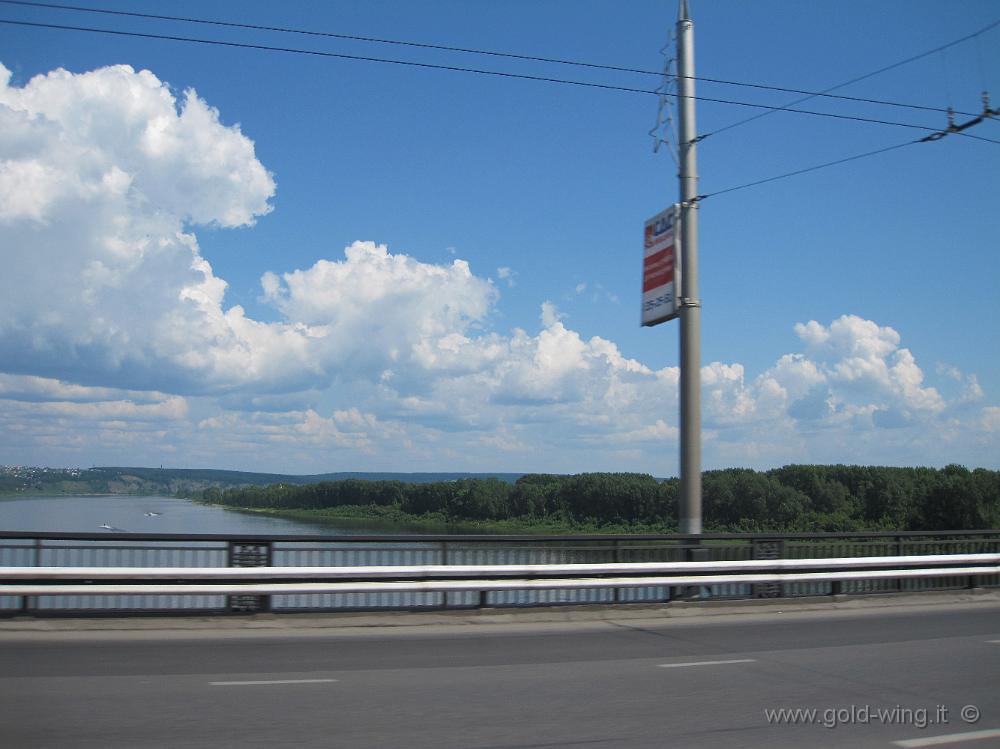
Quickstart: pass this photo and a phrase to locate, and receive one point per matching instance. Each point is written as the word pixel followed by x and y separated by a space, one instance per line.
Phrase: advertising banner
pixel 661 288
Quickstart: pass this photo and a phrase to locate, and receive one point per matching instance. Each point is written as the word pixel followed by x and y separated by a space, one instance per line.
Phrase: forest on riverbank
pixel 28 481
pixel 793 498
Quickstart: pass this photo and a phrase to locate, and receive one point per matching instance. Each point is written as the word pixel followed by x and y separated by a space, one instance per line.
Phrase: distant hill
pixel 22 480
pixel 233 478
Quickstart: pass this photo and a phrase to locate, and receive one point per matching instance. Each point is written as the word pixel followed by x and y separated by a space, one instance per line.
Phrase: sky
pixel 236 258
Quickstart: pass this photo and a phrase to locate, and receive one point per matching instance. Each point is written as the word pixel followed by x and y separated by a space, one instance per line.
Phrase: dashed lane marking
pixel 268 682
pixel 708 663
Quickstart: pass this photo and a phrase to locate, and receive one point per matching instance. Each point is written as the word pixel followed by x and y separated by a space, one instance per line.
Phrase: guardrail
pixel 126 573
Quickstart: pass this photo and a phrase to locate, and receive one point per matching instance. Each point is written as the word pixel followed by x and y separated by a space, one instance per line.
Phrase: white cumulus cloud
pixel 112 324
pixel 102 174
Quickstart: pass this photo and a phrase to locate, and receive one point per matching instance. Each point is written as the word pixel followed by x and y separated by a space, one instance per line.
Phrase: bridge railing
pixel 183 554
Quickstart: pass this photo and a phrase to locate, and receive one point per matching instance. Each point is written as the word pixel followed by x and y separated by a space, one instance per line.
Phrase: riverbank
pixel 393 519
pixel 155 514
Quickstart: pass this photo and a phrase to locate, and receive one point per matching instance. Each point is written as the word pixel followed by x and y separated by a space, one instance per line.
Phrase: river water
pixel 127 514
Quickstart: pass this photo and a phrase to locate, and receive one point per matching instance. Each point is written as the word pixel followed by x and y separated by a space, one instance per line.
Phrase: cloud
pixel 856 360
pixel 114 131
pixel 112 322
pixel 171 408
pixel 659 431
pixel 119 172
pixel 348 430
pixel 74 425
pixel 106 172
pixel 381 311
pixel 41 390
pixel 598 292
pixel 550 314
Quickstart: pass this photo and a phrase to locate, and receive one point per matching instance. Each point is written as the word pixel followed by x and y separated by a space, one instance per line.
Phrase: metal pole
pixel 690 316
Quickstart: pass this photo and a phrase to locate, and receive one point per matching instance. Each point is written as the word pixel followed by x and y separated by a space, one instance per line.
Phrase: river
pixel 128 514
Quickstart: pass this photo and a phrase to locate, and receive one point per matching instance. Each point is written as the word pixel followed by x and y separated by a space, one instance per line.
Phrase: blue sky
pixel 177 290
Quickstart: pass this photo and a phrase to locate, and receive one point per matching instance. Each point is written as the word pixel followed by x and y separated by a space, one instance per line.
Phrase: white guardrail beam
pixel 438 586
pixel 441 578
pixel 420 572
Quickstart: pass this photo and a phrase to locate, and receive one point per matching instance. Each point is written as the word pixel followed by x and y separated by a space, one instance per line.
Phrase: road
pixel 651 682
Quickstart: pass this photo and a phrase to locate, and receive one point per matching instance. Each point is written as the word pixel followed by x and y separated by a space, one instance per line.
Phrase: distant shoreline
pixel 375 517
pixel 58 495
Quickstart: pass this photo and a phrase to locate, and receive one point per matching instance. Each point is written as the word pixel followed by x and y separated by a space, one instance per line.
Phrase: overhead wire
pixel 952 129
pixel 806 170
pixel 491 53
pixel 817 94
pixel 328 34
pixel 859 78
pixel 455 68
pixel 523 76
pixel 321 53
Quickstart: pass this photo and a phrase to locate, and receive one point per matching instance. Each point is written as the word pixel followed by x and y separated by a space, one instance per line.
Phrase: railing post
pixel 444 560
pixel 900 542
pixel 249 554
pixel 973 582
pixel 28 605
pixel 694 553
pixel 767 548
pixel 616 593
pixel 700 553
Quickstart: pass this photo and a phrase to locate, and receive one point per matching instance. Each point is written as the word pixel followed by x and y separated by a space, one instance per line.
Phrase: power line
pixel 491 53
pixel 859 78
pixel 952 129
pixel 770 109
pixel 330 34
pixel 816 94
pixel 338 55
pixel 477 71
pixel 814 168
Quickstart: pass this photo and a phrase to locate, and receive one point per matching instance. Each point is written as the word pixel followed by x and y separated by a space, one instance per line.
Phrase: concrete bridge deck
pixel 878 671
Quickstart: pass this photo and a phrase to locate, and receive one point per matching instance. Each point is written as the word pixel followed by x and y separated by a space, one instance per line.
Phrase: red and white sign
pixel 661 267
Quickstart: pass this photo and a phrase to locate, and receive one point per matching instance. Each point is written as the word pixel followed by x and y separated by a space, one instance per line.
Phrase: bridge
pixel 868 640
pixel 118 572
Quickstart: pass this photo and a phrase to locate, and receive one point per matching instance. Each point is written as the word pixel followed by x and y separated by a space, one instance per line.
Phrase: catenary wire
pixel 467 50
pixel 716 193
pixel 455 68
pixel 819 94
pixel 329 34
pixel 807 169
pixel 337 55
pixel 859 78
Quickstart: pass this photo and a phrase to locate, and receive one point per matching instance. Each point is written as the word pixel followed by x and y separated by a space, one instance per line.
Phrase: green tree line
pixel 792 498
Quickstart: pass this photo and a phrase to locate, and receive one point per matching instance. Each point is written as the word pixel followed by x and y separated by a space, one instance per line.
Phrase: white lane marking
pixel 708 663
pixel 993 642
pixel 269 681
pixel 952 738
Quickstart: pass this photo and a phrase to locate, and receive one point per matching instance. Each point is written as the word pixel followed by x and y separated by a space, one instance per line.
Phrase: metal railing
pixel 342 572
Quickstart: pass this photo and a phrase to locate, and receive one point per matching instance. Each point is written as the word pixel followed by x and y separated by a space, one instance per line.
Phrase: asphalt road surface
pixel 874 677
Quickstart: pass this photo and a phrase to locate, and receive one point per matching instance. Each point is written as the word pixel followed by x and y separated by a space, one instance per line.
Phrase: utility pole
pixel 690 313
